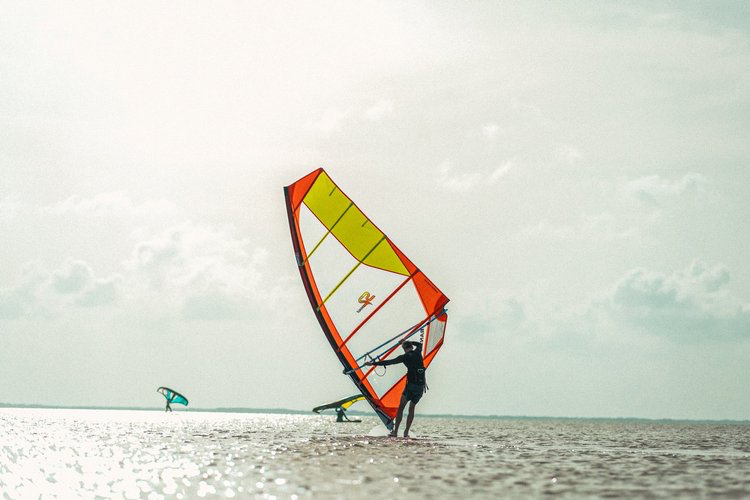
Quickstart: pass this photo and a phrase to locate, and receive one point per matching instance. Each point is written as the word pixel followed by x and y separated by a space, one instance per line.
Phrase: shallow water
pixel 143 454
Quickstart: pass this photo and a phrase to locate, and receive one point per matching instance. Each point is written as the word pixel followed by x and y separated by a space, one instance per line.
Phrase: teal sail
pixel 172 396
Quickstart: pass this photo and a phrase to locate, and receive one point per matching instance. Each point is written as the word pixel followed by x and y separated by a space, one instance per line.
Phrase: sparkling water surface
pixel 144 454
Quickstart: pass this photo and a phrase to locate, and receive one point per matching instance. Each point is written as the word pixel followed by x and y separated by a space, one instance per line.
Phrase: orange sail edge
pixel 386 415
pixel 296 191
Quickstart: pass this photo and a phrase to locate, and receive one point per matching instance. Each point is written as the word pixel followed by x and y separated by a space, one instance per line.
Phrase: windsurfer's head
pixel 408 346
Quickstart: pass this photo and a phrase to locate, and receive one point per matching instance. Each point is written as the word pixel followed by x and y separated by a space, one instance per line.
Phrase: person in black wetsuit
pixel 415 382
pixel 341 415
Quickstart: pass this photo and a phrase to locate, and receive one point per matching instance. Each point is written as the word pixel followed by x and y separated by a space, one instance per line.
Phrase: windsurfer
pixel 341 415
pixel 169 407
pixel 416 384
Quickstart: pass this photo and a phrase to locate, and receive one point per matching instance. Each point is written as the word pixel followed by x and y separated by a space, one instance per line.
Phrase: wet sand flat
pixel 143 454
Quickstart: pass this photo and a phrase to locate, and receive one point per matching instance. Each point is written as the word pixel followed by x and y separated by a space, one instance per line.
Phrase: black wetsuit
pixel 415 377
pixel 340 415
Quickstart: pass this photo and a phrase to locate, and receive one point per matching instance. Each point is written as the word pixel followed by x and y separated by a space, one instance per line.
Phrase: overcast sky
pixel 575 176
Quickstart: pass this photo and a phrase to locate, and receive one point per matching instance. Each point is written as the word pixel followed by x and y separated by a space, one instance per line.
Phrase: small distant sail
pixel 367 295
pixel 172 396
pixel 343 403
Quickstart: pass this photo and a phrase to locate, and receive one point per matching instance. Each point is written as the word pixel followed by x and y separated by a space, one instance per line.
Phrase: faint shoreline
pixel 287 411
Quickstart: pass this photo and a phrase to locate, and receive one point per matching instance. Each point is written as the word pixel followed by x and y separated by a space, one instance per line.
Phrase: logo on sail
pixel 366 300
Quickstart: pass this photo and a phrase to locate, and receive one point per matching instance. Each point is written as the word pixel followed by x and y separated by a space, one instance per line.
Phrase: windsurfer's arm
pixel 399 359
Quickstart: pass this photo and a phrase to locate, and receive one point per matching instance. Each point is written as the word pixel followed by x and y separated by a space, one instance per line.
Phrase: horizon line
pixel 361 413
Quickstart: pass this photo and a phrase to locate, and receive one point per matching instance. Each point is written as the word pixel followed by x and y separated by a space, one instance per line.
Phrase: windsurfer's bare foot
pixel 406 434
pixel 393 434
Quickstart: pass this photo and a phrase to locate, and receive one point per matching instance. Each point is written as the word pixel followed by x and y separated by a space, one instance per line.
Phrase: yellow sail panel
pixel 325 200
pixel 383 257
pixel 347 404
pixel 351 227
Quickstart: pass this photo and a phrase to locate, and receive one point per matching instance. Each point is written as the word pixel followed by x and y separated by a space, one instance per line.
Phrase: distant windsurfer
pixel 341 415
pixel 416 384
pixel 172 396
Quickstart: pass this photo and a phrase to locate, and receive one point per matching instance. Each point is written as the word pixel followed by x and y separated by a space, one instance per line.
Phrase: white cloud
pixel 11 305
pixel 664 19
pixel 456 181
pixel 188 271
pixel 76 279
pixel 115 203
pixel 23 297
pixel 545 228
pixel 694 303
pixel 606 226
pixel 10 206
pixel 491 131
pixel 531 113
pixel 379 110
pixel 453 179
pixel 568 154
pixel 101 292
pixel 489 314
pixel 39 293
pixel 203 273
pixel 691 305
pixel 72 277
pixel 603 226
pixel 334 120
pixel 653 189
pixel 501 171
pixel 331 121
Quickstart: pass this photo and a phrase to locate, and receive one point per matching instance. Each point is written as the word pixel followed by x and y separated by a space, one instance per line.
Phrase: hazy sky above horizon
pixel 573 175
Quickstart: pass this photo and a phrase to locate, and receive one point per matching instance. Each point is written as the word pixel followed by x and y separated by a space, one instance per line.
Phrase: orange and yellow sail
pixel 366 294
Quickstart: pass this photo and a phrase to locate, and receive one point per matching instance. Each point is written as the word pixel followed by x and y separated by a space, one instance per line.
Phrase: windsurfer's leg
pixel 410 418
pixel 399 414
